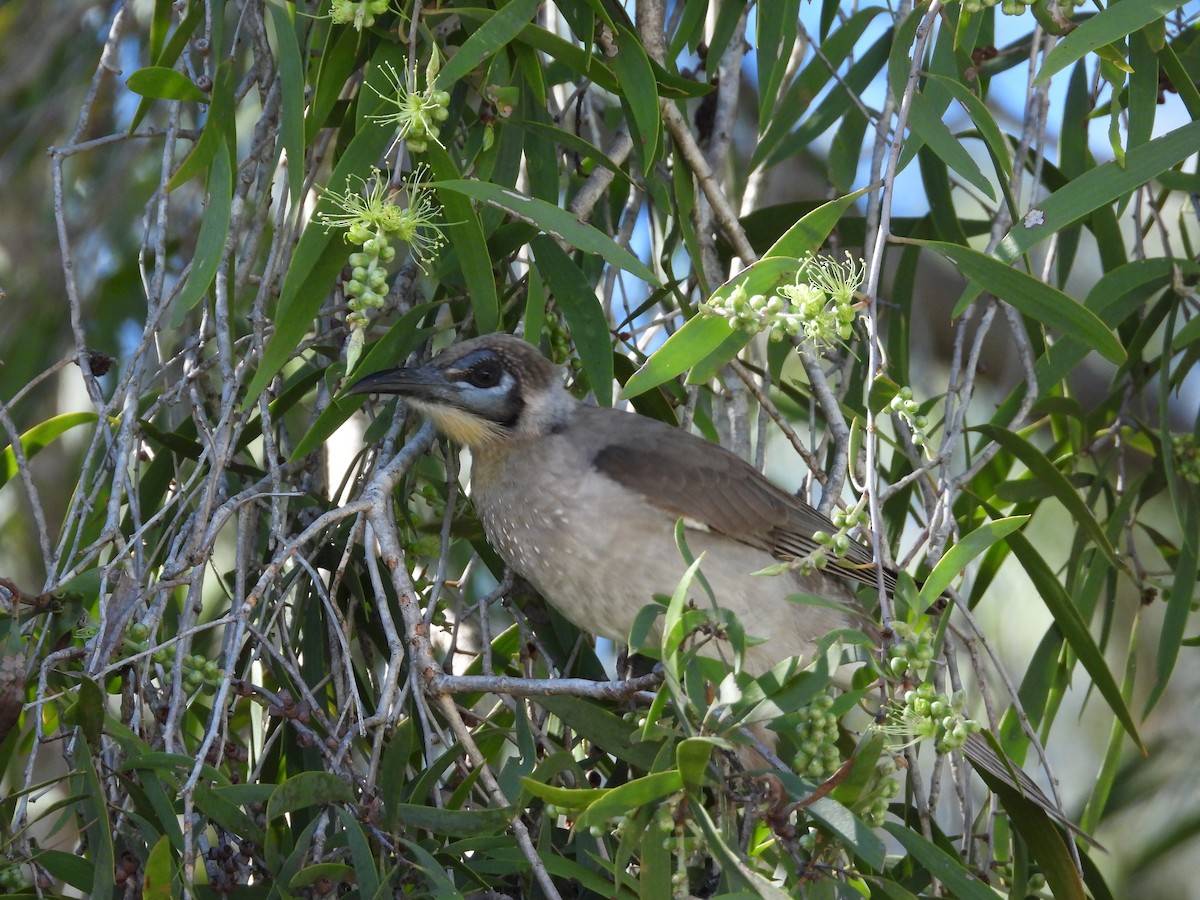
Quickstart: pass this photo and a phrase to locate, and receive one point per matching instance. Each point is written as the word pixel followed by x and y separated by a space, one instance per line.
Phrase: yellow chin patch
pixel 463 427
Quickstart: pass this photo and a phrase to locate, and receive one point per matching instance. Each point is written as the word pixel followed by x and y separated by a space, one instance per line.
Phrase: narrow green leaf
pixel 1041 836
pixel 455 822
pixel 554 221
pixel 306 789
pixel 776 36
pixel 604 729
pixel 162 83
pixel 567 798
pixel 1099 187
pixel 76 871
pixel 639 96
pixel 583 312
pixel 291 88
pixel 808 234
pixel 94 811
pixel 957 557
pixel 336 60
pixel 169 53
pixel 928 126
pixel 157 881
pixel 493 34
pixel 365 873
pixel 985 124
pixel 1074 629
pixel 1036 299
pixel 465 231
pixel 160 26
pixel 620 800
pixel 864 70
pixel 1052 478
pixel 210 243
pixel 215 803
pixel 37 437
pixel 751 882
pixel 199 158
pixel 809 83
pixel 1108 26
pixel 946 868
pixel 692 756
pixel 851 830
pixel 703 336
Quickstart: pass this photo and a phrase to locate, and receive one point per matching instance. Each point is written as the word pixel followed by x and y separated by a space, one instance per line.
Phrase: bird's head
pixel 491 389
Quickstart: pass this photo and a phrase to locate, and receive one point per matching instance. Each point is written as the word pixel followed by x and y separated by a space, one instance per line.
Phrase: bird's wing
pixel 689 477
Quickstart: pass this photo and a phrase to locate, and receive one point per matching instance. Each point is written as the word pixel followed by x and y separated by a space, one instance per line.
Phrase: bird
pixel 582 501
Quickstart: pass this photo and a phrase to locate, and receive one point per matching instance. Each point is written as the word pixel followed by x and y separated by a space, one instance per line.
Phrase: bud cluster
pixel 816 738
pixel 907 409
pixel 820 306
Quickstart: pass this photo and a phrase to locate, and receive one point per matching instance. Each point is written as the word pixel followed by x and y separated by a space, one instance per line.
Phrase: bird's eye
pixel 485 374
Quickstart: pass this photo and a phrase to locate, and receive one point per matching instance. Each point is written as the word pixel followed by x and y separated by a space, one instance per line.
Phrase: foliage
pixel 256 665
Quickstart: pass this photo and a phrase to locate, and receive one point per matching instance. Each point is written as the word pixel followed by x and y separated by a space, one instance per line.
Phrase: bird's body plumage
pixel 599 547
pixel 583 502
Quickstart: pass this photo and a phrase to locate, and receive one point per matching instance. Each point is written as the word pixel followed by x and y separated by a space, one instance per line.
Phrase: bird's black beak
pixel 418 382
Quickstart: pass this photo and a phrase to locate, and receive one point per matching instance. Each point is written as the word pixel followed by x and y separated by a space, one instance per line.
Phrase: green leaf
pixel 604 729
pixel 291 89
pixel 620 800
pixel 1052 478
pixel 361 854
pixel 692 756
pixel 1041 836
pixel 1099 186
pixel 307 789
pixel 851 830
pixel 583 312
pixel 568 798
pixel 926 123
pixel 87 712
pixel 37 437
pixel 1074 629
pixel 157 880
pixel 810 232
pixel 493 34
pixel 699 336
pixel 94 811
pixel 957 557
pixel 775 38
pixel 215 803
pixel 1108 26
pixel 162 83
pixel 553 220
pixel 455 822
pixel 210 243
pixel 639 96
pixel 702 336
pixel 169 53
pixel 946 868
pixel 77 871
pixel 465 231
pixel 1032 297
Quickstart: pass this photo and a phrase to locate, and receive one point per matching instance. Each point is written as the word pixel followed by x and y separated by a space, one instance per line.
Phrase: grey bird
pixel 582 502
